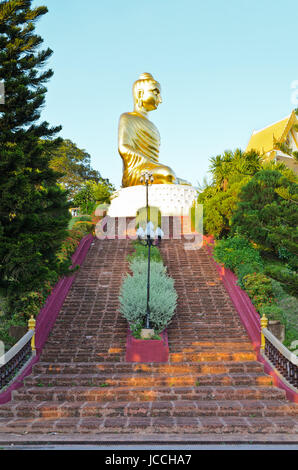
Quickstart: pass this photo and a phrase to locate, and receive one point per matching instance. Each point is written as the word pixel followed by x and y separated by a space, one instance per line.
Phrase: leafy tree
pixel 103 191
pixel 219 206
pixel 230 172
pixel 225 166
pixel 85 198
pixel 33 208
pixel 265 216
pixel 92 193
pixel 74 164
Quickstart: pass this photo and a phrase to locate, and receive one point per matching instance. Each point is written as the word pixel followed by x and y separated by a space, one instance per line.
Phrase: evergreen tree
pixel 33 208
pixel 267 212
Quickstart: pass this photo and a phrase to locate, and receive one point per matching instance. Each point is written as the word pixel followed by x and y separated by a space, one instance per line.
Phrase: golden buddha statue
pixel 139 139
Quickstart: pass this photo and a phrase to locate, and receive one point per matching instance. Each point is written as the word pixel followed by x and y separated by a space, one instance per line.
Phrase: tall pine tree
pixel 33 208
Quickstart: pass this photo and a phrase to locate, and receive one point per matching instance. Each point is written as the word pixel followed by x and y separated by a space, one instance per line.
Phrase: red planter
pixel 147 350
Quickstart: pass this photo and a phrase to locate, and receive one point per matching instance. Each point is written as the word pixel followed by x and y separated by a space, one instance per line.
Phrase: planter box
pixel 147 350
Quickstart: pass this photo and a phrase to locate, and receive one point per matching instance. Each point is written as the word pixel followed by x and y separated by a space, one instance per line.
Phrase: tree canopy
pixel 74 164
pixel 267 212
pixel 230 172
pixel 92 193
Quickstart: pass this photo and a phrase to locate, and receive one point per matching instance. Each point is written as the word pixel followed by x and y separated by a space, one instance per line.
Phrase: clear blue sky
pixel 225 68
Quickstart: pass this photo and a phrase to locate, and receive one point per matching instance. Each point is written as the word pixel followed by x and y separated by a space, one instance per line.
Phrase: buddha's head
pixel 146 93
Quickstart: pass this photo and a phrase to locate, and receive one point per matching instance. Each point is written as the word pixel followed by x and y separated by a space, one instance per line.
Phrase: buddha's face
pixel 150 96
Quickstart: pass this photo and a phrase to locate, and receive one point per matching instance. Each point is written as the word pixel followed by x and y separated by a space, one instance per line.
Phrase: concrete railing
pixel 281 358
pixel 13 361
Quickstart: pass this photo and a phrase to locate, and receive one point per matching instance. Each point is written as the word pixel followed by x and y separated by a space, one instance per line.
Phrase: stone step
pixel 143 380
pixel 154 425
pixel 94 356
pixel 107 393
pixel 84 349
pixel 199 334
pixel 197 346
pixel 192 347
pixel 51 410
pixel 150 368
pixel 211 384
pixel 209 356
pixel 100 357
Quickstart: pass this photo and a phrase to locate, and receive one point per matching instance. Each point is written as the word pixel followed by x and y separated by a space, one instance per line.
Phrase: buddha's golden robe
pixel 138 145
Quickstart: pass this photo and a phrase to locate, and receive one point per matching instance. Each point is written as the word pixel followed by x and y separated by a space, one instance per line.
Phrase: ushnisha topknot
pixel 146 76
pixel 138 84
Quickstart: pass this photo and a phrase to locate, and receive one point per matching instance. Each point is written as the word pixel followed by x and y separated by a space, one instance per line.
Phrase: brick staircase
pixel 211 386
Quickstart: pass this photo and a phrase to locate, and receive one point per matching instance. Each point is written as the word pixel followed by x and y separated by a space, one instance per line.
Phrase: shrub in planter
pixel 163 298
pixel 140 266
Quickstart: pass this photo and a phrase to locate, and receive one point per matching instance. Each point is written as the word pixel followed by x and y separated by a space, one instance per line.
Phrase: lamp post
pixel 148 238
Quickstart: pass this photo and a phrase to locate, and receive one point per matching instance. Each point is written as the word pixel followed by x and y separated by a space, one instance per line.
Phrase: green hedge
pixel 269 286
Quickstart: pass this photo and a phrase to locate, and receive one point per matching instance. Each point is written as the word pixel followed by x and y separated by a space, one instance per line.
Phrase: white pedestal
pixel 171 199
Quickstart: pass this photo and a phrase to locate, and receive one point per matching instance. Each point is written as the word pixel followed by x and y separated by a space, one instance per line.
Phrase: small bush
pixel 140 266
pixel 236 251
pixel 243 269
pixel 272 312
pixel 259 288
pixel 84 226
pixel 289 308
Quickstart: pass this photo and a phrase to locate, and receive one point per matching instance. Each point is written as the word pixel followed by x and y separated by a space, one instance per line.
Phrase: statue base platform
pixel 171 199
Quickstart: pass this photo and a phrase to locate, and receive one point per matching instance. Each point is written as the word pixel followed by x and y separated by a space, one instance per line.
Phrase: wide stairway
pixel 212 384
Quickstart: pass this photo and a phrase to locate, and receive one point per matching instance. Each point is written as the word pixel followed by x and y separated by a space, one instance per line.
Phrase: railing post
pixel 264 324
pixel 31 326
